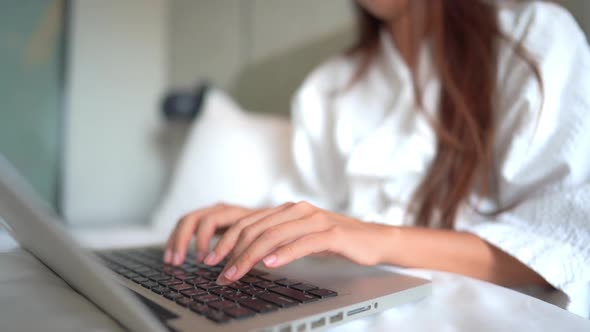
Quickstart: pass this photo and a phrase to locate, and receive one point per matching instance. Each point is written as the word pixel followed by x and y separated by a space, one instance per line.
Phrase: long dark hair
pixel 464 35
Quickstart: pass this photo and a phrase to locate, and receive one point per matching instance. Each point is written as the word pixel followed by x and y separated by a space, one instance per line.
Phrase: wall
pixel 114 169
pixel 119 152
pixel 258 50
pixel 581 10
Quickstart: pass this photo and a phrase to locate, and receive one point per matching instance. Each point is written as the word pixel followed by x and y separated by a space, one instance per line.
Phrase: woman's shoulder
pixel 331 75
pixel 539 24
pixel 554 44
pixel 546 115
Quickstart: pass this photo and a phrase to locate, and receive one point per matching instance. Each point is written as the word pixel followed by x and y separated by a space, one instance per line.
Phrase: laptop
pixel 141 293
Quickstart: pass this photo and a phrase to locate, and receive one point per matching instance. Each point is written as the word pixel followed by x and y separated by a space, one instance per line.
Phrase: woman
pixel 450 137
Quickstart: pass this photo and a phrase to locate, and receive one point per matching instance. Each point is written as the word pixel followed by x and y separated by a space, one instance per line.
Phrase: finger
pixel 295 225
pixel 268 242
pixel 228 240
pixel 206 227
pixel 168 248
pixel 184 232
pixel 307 245
pixel 251 232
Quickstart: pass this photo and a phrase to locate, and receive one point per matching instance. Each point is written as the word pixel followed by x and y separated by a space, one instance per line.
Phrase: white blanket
pixel 32 298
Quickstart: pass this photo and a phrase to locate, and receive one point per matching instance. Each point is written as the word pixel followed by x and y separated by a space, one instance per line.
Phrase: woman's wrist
pixel 388 243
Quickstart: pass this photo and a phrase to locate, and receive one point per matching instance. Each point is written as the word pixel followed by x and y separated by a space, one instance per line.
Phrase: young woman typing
pixel 454 135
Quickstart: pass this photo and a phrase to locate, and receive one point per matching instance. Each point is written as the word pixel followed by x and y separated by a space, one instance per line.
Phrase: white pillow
pixel 230 156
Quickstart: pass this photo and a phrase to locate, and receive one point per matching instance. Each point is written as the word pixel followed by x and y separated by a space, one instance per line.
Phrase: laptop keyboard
pixel 193 286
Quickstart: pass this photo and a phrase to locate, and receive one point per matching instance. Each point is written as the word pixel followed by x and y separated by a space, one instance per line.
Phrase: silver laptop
pixel 141 293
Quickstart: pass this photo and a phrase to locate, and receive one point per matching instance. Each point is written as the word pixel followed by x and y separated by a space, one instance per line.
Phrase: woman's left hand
pixel 293 231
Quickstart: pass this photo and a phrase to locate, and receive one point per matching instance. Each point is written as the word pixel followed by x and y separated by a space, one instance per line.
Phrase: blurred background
pixel 82 82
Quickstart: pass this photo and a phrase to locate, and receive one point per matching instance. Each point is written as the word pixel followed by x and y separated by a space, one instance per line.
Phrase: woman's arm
pixel 457 252
pixel 288 232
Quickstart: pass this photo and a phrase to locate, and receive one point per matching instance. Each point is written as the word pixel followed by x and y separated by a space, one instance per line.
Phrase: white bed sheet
pixel 456 304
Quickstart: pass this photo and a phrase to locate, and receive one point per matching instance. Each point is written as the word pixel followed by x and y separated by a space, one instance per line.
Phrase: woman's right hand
pixel 202 224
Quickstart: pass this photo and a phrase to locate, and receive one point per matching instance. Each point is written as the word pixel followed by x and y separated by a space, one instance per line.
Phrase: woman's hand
pixel 202 224
pixel 283 234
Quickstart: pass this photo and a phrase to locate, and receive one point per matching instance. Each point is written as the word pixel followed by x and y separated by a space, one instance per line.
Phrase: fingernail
pixel 230 272
pixel 270 260
pixel 200 256
pixel 222 281
pixel 177 259
pixel 167 256
pixel 210 259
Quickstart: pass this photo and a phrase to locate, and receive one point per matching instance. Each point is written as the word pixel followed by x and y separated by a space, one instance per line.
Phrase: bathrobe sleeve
pixel 543 153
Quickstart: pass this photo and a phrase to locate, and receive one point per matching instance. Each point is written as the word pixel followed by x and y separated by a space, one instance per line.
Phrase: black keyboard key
pixel 287 282
pixel 217 316
pixel 304 287
pixel 250 280
pixel 168 268
pixel 266 284
pixel 216 269
pixel 184 301
pixel 220 305
pixel 239 312
pixel 271 277
pixel 156 267
pixel 206 298
pixel 280 300
pixel 139 280
pixel 170 282
pixel 183 277
pixel 150 284
pixel 160 290
pixel 172 295
pixel 209 285
pixel 133 266
pixel 199 308
pixel 150 273
pixel 196 281
pixel 294 294
pixel 143 269
pixel 252 290
pixel 238 285
pixel 222 291
pixel 160 277
pixel 323 293
pixel 236 297
pixel 181 287
pixel 155 264
pixel 258 305
pixel 130 275
pixel 176 271
pixel 193 292
pixel 206 274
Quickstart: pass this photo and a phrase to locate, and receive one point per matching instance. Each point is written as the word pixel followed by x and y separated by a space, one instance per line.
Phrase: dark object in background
pixel 179 106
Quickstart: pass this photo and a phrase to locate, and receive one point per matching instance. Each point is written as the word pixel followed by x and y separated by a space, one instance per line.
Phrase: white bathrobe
pixel 364 151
